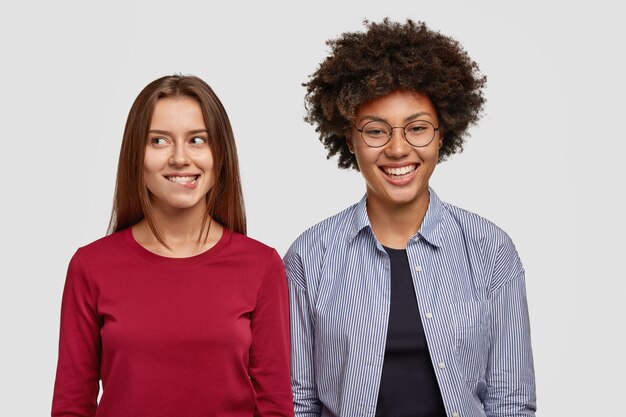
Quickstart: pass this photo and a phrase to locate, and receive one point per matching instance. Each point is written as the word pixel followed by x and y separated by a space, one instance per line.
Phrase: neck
pixel 181 230
pixel 395 224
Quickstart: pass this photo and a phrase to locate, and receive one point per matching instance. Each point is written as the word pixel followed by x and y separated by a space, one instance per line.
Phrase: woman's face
pixel 397 173
pixel 178 164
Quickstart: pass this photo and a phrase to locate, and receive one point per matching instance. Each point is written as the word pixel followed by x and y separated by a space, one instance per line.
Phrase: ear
pixel 349 144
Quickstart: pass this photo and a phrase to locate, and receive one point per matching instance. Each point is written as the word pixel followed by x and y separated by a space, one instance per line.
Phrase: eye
pixel 198 140
pixel 375 132
pixel 158 141
pixel 416 129
pixel 419 127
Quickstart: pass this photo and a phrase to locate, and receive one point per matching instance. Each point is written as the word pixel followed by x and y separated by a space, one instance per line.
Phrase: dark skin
pixel 390 56
pixel 397 174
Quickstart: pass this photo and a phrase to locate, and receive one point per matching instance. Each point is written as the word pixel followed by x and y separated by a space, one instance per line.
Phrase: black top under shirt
pixel 408 386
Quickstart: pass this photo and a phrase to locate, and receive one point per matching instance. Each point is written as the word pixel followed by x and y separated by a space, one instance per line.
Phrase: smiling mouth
pixel 399 172
pixel 183 180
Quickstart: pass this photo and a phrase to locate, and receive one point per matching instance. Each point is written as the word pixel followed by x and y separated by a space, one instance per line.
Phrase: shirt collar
pixel 431 225
pixel 429 231
pixel 360 220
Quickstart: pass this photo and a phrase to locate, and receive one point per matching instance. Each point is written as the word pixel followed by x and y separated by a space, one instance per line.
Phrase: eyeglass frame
pixel 397 127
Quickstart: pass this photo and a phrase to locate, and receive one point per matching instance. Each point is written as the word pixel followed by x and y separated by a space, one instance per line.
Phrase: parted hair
pixel 224 202
pixel 388 56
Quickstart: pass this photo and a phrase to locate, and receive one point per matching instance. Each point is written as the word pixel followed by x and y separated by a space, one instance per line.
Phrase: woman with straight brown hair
pixel 176 311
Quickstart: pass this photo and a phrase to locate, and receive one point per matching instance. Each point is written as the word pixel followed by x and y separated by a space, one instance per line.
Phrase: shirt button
pixel 441 365
pixel 455 414
pixel 429 315
pixel 418 268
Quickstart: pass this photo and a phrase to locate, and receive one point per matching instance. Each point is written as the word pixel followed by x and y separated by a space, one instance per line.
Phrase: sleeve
pixel 269 351
pixel 78 369
pixel 306 401
pixel 510 371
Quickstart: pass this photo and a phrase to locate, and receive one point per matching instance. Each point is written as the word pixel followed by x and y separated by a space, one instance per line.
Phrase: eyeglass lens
pixel 418 133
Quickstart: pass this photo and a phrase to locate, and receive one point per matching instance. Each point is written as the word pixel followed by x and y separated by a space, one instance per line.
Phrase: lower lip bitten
pixel 188 182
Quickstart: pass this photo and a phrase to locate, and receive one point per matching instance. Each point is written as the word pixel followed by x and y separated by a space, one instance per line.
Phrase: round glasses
pixel 377 133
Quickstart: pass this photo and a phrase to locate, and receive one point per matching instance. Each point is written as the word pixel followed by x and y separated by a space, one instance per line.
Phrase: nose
pixel 179 157
pixel 397 146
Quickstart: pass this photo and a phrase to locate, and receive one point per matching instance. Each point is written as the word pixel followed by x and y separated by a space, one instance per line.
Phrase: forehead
pixel 174 111
pixel 397 105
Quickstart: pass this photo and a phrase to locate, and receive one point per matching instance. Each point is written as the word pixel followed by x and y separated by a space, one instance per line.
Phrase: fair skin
pixel 178 173
pixel 397 174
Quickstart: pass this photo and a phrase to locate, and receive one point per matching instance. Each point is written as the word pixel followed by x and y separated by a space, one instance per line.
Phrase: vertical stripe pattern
pixel 469 284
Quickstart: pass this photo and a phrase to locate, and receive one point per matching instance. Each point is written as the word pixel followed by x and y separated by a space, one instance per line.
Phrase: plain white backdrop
pixel 545 163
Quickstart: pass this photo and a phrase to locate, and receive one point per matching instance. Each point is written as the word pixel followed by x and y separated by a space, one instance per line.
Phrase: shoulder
pixel 308 251
pixel 241 243
pixel 243 250
pixel 329 231
pixel 255 261
pixel 473 226
pixel 484 239
pixel 97 255
pixel 107 246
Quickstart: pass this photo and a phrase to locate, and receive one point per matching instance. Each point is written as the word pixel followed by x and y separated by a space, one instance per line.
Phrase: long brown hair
pixel 224 202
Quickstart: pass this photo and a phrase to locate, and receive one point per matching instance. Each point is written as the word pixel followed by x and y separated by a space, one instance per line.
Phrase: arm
pixel 78 368
pixel 510 373
pixel 306 402
pixel 269 352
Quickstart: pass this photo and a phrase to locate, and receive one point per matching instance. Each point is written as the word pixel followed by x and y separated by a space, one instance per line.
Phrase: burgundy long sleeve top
pixel 201 336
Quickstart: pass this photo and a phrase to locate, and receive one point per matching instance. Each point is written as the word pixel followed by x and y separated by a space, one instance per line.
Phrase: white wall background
pixel 545 163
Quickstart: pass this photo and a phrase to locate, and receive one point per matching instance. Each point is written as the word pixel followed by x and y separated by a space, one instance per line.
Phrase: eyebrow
pixel 165 132
pixel 406 119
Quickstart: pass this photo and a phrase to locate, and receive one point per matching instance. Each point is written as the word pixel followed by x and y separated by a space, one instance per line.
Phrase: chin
pixel 403 201
pixel 403 198
pixel 181 205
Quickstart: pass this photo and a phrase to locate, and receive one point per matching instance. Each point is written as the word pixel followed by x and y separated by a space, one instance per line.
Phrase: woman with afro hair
pixel 402 304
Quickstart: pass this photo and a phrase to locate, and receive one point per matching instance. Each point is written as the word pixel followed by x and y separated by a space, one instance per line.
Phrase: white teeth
pixel 400 171
pixel 183 180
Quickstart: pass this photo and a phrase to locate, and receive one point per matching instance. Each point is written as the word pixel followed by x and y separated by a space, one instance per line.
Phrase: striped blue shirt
pixel 469 284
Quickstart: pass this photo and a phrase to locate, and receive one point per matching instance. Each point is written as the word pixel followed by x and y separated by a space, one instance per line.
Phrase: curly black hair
pixel 388 56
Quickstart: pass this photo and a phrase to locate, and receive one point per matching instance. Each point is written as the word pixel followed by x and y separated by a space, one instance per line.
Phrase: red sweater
pixel 201 336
